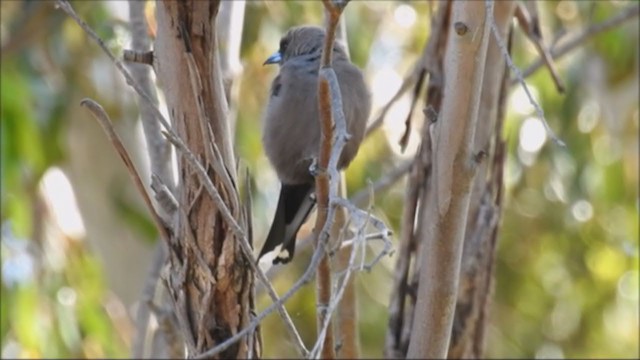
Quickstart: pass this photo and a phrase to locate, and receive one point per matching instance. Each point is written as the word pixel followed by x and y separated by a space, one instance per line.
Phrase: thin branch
pixel 328 178
pixel 582 37
pixel 527 15
pixel 426 64
pixel 410 80
pixel 519 76
pixel 325 333
pixel 383 182
pixel 101 116
pixel 66 7
pixel 148 295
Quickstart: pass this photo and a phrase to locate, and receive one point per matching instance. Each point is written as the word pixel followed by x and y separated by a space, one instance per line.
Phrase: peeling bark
pixel 209 280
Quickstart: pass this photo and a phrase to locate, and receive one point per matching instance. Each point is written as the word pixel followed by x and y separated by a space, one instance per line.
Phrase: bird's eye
pixel 283 45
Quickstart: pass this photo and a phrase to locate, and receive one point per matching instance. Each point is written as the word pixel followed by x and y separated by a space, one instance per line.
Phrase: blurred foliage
pixel 567 271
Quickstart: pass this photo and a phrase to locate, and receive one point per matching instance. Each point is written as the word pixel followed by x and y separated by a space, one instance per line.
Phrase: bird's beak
pixel 274 59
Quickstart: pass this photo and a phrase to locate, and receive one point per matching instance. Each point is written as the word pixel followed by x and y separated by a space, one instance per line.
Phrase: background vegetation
pixel 567 270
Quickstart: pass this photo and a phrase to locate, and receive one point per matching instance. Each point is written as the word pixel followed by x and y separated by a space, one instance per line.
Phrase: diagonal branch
pixel 583 36
pixel 101 116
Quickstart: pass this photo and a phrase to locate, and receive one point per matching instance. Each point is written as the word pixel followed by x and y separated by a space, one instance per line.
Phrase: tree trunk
pixel 476 278
pixel 209 280
pixel 441 243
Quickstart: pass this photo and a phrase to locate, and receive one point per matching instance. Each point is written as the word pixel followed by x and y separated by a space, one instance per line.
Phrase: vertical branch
pixel 323 276
pixel 418 194
pixel 454 170
pixel 230 37
pixel 159 154
pixel 327 105
pixel 347 340
pixel 346 327
pixel 484 210
pixel 158 149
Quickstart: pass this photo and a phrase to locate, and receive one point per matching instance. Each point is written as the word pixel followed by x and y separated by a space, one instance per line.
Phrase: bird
pixel 291 129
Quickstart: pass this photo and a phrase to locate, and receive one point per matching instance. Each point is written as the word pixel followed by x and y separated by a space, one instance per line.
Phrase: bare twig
pixel 98 112
pixel 425 64
pixel 148 295
pixel 518 74
pixel 66 7
pixel 324 330
pixel 404 140
pixel 383 182
pixel 581 37
pixel 527 15
pixel 413 77
pixel 410 80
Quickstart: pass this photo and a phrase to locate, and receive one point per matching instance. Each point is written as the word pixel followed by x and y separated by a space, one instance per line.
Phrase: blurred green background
pixel 76 240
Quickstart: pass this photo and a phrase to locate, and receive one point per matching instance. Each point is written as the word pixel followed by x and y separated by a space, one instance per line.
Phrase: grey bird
pixel 291 128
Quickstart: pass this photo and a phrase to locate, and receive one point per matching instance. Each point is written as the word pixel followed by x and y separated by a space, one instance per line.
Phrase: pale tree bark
pixel 148 341
pixel 229 29
pixel 454 167
pixel 476 278
pixel 209 279
pixel 444 206
pixel 403 293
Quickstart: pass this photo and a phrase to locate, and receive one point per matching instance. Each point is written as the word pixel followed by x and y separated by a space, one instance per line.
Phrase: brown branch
pixel 328 103
pixel 426 64
pixel 582 37
pixel 527 15
pixel 404 140
pixel 419 169
pixel 101 116
pixel 346 322
pixel 413 77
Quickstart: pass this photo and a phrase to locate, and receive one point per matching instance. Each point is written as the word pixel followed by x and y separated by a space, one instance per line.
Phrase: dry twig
pixel 101 116
pixel 581 37
pixel 527 15
pixel 518 74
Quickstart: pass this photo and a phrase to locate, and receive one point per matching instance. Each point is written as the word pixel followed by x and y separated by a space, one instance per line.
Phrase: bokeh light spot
pixel 582 210
pixel 532 135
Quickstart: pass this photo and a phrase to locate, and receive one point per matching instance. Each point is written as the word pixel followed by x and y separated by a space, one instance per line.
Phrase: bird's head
pixel 298 41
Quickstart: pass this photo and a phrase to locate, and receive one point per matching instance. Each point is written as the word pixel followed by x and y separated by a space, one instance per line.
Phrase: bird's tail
pixel 294 205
